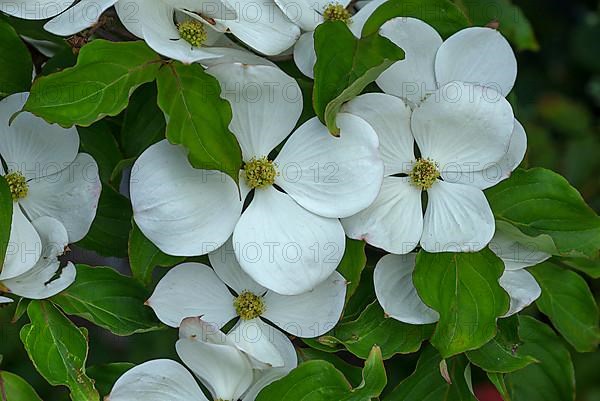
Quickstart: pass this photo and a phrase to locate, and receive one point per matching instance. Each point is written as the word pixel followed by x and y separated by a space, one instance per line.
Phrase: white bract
pixel 449 97
pixel 55 192
pixel 310 14
pixel 194 289
pixel 190 30
pixel 399 298
pixel 228 373
pixel 289 238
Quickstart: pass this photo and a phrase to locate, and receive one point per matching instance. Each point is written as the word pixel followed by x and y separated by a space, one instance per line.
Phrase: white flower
pixel 227 372
pixel 460 130
pixel 289 238
pixel 160 22
pixel 39 282
pixel 34 9
pixel 47 178
pixel 194 289
pixel 398 297
pixel 310 14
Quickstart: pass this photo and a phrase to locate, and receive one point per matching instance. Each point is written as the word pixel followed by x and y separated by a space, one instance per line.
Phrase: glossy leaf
pixel 198 118
pixel 540 202
pixel 144 256
pixel 6 209
pixel 99 142
pixel 344 70
pixel 567 300
pixel 16 67
pixel 15 388
pixel 352 264
pixel 463 288
pixel 109 300
pixel 99 84
pixel 58 349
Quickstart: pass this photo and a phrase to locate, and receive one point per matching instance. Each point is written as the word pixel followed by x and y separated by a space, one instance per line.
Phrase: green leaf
pixel 568 302
pixel 442 15
pixel 198 118
pixel 321 381
pixel 497 380
pixel 16 68
pixel 352 264
pixel 14 388
pixel 513 23
pixel 540 202
pixel 373 327
pixel 587 266
pixel 427 383
pixel 58 349
pixel 106 375
pixel 144 123
pixel 502 354
pixel 464 289
pixel 98 141
pixel 344 70
pixel 6 209
pixel 351 372
pixel 144 256
pixel 109 300
pixel 109 233
pixel 99 84
pixel 553 379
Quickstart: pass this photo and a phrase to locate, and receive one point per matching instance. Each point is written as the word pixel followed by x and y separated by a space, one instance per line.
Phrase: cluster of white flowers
pixel 276 237
pixel 55 192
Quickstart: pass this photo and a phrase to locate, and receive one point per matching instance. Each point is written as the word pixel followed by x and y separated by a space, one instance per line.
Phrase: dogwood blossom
pixel 228 373
pixel 399 298
pixel 47 177
pixel 194 289
pixel 289 238
pixel 460 130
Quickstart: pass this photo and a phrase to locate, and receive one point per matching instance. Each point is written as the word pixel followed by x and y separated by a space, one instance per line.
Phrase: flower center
pixel 17 183
pixel 424 173
pixel 249 306
pixel 337 12
pixel 260 172
pixel 192 32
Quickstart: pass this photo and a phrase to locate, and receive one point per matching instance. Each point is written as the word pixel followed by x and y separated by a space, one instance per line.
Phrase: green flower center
pixel 260 172
pixel 337 12
pixel 424 173
pixel 17 183
pixel 249 306
pixel 193 32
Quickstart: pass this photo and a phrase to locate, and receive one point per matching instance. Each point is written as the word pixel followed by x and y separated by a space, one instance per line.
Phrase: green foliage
pixel 568 302
pixel 464 289
pixel 99 141
pixel 16 67
pixel 58 349
pixel 319 380
pixel 502 354
pixel 198 118
pixel 6 205
pixel 540 202
pixel 14 388
pixel 144 256
pixel 109 300
pixel 352 265
pixel 344 70
pixel 443 15
pixel 99 84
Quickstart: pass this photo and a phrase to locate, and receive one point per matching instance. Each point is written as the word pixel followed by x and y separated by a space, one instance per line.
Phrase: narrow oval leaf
pixel 567 300
pixel 442 15
pixel 99 84
pixel 464 289
pixel 144 256
pixel 352 264
pixel 541 202
pixel 58 349
pixel 16 67
pixel 198 118
pixel 6 205
pixel 553 379
pixel 14 388
pixel 343 70
pixel 109 300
